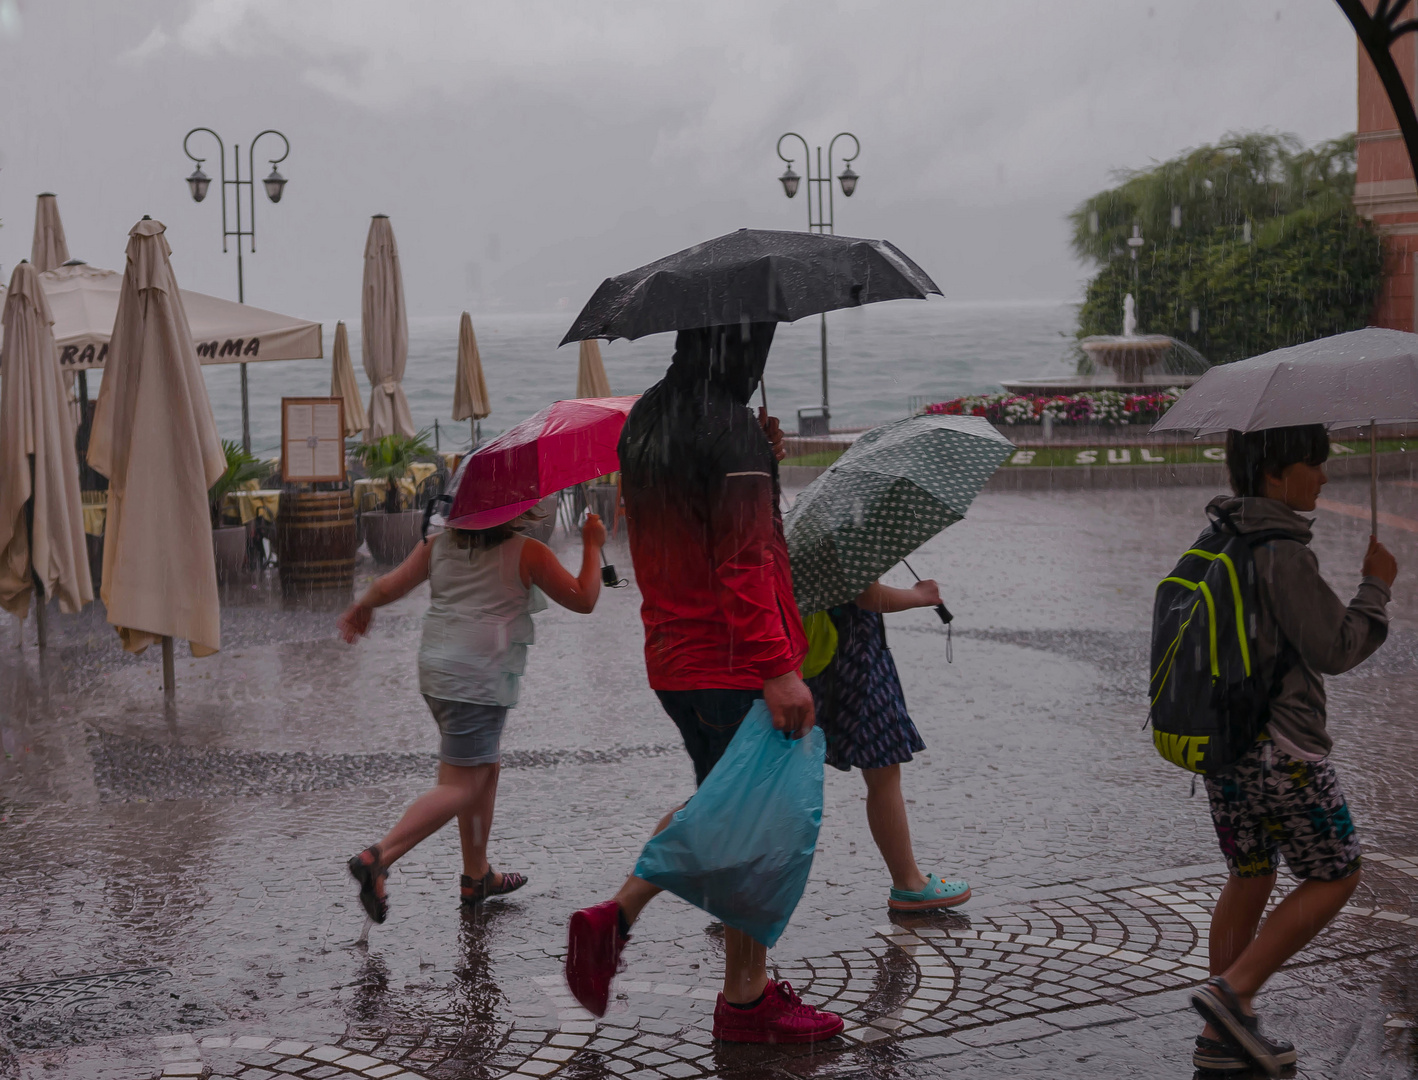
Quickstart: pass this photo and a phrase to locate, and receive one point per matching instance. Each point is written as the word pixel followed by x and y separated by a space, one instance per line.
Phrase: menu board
pixel 313 439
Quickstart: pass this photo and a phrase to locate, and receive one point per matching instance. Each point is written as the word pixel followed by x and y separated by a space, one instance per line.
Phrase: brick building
pixel 1384 190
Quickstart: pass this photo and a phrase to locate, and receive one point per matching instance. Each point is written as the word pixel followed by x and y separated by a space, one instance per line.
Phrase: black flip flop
pixel 367 874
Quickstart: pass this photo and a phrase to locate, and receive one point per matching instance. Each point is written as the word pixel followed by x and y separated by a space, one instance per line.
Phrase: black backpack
pixel 1209 699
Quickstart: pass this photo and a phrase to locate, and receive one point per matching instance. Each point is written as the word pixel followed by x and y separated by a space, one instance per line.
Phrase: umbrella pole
pixel 1373 479
pixel 245 413
pixel 39 626
pixel 169 681
pixel 40 629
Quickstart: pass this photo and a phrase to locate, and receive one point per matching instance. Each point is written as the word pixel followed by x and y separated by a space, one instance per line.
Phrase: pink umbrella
pixel 567 443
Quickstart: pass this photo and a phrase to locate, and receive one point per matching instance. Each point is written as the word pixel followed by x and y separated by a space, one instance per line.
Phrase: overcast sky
pixel 528 148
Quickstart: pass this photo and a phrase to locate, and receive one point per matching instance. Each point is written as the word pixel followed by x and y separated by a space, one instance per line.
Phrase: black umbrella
pixel 753 275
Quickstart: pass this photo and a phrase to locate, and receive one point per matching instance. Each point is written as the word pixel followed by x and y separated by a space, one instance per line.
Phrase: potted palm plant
pixel 393 532
pixel 229 540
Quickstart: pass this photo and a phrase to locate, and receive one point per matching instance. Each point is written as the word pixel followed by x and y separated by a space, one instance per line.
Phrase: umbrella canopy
pixel 155 440
pixel 342 382
pixel 753 275
pixel 469 389
pixel 48 249
pixel 591 381
pixel 1361 377
pixel 84 300
pixel 894 488
pixel 568 442
pixel 38 461
pixel 384 327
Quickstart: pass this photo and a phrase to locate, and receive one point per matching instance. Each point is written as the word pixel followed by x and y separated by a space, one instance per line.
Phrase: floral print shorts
pixel 1271 803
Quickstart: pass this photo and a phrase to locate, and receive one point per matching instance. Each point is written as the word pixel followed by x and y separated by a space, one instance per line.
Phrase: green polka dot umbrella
pixel 894 489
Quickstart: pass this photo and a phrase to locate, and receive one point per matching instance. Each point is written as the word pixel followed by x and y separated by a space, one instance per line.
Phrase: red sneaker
pixel 781 1017
pixel 593 945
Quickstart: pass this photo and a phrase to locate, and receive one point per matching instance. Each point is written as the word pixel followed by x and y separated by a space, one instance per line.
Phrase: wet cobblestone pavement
pixel 175 901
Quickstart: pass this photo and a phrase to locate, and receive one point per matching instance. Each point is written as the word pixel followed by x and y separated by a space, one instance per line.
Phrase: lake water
pixel 879 358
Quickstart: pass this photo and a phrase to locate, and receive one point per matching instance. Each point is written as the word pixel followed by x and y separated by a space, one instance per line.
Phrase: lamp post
pixel 820 210
pixel 274 184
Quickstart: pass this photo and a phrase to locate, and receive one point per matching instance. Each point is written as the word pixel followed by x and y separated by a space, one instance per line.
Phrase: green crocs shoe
pixel 936 895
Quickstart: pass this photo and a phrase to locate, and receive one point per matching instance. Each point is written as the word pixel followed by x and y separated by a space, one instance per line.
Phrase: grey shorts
pixel 471 733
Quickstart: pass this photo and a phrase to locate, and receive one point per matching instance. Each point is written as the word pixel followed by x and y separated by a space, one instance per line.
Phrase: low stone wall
pixel 1123 477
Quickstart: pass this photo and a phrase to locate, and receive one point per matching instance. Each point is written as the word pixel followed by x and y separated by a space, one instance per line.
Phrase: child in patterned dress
pixel 862 711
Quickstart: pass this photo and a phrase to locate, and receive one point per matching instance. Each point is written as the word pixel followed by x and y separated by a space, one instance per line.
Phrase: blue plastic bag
pixel 742 847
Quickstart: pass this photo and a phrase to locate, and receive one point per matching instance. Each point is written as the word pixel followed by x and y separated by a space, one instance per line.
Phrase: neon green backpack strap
pixel 821 643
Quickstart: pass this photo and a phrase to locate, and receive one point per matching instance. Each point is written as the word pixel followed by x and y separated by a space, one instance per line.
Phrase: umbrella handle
pixel 608 574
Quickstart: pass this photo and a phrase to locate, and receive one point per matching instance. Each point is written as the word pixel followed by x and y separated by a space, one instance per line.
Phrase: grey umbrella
pixel 1365 377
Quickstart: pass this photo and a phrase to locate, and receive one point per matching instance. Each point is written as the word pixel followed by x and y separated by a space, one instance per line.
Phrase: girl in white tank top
pixel 484 588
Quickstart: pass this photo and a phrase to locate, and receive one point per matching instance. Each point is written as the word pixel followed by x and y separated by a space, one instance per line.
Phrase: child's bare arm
pixel 385 590
pixel 541 567
pixel 884 598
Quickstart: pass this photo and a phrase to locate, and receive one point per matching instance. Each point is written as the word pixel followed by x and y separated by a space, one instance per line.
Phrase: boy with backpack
pixel 1244 631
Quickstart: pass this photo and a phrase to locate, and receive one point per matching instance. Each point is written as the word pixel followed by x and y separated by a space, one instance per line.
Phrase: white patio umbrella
pixel 591 381
pixel 155 440
pixel 469 388
pixel 384 327
pixel 342 382
pixel 41 546
pixel 48 249
pixel 84 300
pixel 1363 378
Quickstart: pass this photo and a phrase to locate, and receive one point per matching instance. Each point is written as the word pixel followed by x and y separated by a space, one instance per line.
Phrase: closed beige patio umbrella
pixel 469 389
pixel 38 464
pixel 342 382
pixel 591 378
pixel 384 328
pixel 155 440
pixel 48 249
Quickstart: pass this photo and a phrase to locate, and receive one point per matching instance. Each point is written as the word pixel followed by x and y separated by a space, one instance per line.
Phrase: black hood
pixel 732 357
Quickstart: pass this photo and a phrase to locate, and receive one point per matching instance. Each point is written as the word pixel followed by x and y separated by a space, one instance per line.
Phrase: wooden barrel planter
pixel 316 540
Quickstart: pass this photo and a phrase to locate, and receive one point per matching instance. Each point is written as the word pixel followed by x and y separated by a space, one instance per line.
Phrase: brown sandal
pixel 475 891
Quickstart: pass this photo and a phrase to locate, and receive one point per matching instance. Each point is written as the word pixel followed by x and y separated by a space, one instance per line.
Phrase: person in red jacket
pixel 700 477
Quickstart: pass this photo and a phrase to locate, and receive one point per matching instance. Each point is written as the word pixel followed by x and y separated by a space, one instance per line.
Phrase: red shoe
pixel 781 1017
pixel 593 946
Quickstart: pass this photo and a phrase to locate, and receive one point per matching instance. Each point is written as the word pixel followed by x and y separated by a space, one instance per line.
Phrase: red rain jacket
pixel 706 537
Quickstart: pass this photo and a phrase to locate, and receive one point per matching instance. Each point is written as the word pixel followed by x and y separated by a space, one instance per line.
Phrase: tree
pixel 1254 240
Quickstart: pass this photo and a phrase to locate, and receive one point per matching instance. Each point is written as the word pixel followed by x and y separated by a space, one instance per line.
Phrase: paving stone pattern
pixel 176 901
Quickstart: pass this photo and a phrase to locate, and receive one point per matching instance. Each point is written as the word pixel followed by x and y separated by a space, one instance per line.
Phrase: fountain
pixel 1129 362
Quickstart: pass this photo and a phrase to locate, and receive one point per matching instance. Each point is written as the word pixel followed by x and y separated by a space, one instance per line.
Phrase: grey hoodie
pixel 1298 606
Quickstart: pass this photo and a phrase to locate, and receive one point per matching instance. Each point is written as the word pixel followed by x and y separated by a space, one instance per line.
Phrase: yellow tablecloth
pixel 95 511
pixel 369 492
pixel 262 502
pixel 374 490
